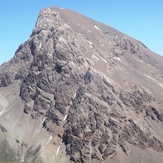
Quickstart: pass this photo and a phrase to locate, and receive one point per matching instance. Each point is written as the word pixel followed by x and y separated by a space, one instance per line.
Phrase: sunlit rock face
pixel 79 91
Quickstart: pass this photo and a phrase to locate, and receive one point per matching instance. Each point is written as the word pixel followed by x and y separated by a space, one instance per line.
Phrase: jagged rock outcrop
pixel 80 91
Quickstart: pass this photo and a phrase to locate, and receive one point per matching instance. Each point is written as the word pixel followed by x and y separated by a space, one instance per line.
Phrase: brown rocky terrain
pixel 80 91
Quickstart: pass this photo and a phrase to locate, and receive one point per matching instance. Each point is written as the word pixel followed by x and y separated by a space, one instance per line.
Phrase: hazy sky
pixel 140 19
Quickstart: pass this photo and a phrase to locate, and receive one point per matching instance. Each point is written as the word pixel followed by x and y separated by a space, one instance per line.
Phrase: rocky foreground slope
pixel 80 91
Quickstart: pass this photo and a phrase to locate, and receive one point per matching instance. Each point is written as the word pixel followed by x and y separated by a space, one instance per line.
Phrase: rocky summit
pixel 79 91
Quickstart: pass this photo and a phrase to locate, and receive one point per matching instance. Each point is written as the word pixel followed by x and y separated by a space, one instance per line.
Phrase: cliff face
pixel 80 91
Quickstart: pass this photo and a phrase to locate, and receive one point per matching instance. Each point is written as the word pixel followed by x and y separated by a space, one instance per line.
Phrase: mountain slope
pixel 80 91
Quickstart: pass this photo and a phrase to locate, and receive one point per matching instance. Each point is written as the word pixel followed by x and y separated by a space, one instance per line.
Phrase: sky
pixel 140 19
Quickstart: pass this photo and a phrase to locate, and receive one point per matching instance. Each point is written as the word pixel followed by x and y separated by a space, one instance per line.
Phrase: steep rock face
pixel 80 91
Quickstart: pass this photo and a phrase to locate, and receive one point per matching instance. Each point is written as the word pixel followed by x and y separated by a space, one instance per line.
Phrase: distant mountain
pixel 79 91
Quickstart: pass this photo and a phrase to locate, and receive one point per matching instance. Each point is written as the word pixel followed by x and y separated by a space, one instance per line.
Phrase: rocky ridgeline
pixel 95 128
pixel 57 81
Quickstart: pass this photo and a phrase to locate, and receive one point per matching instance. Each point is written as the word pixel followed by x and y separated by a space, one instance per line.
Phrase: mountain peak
pixel 48 19
pixel 80 91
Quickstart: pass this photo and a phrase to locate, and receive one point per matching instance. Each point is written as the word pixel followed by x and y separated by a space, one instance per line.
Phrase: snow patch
pixel 82 38
pixel 153 80
pixel 58 150
pixel 50 54
pixel 65 117
pixel 117 58
pixel 38 132
pixel 97 28
pixel 161 85
pixel 43 121
pixel 89 42
pixel 41 149
pixel 49 140
pixel 149 77
pixel 3 105
pixel 104 60
pixel 40 45
pixel 41 126
pixel 74 95
pixel 45 145
pixel 13 97
pixel 1 113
